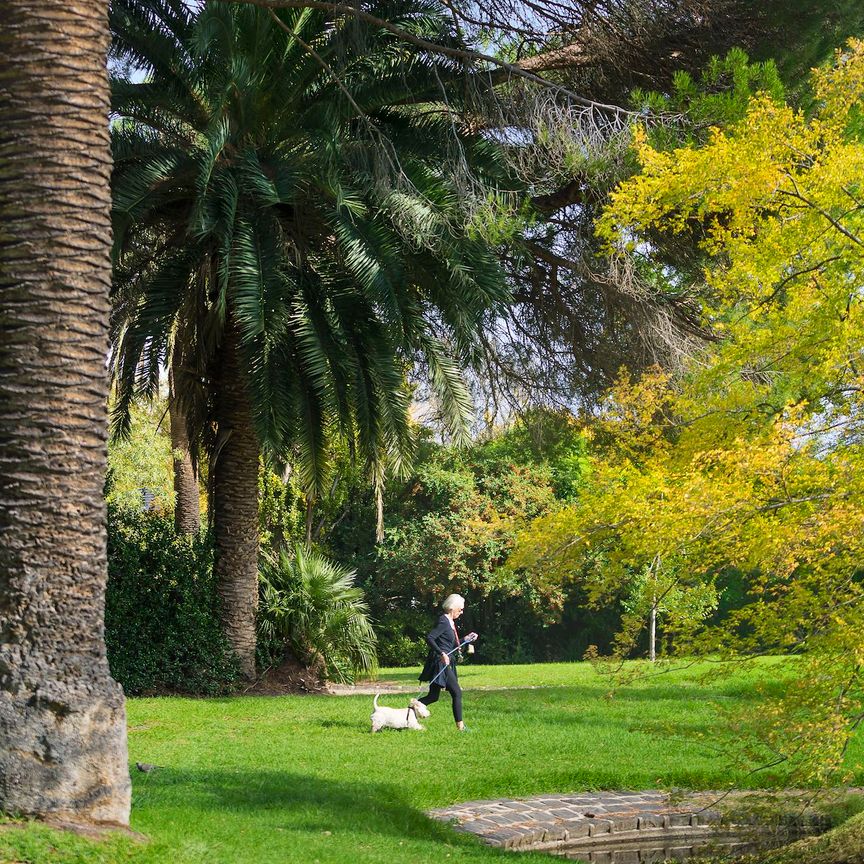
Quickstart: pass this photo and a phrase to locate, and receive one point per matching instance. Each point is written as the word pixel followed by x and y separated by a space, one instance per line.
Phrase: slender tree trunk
pixel 235 506
pixel 187 508
pixel 653 572
pixel 310 518
pixel 62 718
pixel 652 631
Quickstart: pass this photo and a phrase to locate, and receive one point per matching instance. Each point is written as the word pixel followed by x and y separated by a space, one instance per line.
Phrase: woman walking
pixel 440 668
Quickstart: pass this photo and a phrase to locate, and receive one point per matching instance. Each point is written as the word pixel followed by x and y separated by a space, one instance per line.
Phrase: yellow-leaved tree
pixel 752 460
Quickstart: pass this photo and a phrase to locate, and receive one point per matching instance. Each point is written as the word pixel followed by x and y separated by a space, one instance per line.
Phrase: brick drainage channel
pixel 610 827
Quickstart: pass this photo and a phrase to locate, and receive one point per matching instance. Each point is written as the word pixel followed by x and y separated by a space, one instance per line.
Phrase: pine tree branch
pixel 464 54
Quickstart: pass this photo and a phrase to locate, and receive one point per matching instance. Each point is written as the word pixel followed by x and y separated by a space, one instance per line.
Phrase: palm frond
pixel 283 180
pixel 313 605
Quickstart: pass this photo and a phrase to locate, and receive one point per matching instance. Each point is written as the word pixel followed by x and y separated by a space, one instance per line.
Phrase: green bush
pixel 162 610
pixel 313 608
pixel 401 637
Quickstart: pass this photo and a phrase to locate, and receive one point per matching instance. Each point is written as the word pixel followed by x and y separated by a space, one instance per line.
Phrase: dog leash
pixel 471 637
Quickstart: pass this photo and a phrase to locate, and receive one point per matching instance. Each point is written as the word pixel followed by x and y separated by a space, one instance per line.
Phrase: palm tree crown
pixel 292 180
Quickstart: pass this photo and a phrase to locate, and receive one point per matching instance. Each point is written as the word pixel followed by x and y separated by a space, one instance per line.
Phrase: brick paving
pixel 644 827
pixel 551 821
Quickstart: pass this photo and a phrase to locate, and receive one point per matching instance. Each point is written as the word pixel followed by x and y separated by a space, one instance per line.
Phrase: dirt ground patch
pixel 369 688
pixel 289 678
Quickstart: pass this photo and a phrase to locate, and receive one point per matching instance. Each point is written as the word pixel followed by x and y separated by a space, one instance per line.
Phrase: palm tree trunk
pixel 62 718
pixel 187 507
pixel 235 506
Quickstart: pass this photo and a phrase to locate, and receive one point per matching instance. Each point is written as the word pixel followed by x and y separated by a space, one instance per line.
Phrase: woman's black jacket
pixel 441 639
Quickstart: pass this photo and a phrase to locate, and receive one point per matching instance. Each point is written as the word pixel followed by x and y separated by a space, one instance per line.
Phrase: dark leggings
pixel 451 684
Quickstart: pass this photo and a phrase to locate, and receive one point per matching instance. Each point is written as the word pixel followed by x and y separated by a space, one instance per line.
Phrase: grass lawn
pixel 300 779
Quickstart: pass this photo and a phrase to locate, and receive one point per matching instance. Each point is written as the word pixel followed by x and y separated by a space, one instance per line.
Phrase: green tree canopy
pixel 753 458
pixel 299 182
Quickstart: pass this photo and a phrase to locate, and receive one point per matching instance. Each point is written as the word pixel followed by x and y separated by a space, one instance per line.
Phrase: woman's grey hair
pixel 454 601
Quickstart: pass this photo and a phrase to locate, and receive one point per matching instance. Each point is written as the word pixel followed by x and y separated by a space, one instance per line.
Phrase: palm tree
pixel 62 718
pixel 286 196
pixel 312 606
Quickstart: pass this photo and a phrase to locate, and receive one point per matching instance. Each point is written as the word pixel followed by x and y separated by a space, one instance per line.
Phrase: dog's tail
pixel 375 701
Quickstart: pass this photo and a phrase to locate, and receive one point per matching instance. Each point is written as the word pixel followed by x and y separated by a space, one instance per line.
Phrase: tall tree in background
pixel 62 717
pixel 297 207
pixel 187 507
pixel 578 317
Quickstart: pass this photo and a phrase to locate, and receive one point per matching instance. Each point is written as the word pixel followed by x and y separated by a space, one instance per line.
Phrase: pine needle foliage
pixel 308 181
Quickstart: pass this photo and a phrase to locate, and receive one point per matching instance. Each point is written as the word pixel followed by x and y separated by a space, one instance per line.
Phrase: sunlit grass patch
pixel 301 779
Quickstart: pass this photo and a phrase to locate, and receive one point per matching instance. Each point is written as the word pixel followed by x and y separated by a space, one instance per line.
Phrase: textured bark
pixel 62 717
pixel 235 506
pixel 187 508
pixel 561 58
pixel 575 191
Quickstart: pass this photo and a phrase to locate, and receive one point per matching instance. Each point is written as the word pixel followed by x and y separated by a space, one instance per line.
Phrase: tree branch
pixel 844 231
pixel 573 192
pixel 463 54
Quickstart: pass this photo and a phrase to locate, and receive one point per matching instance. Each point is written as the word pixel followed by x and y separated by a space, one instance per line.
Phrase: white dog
pixel 398 718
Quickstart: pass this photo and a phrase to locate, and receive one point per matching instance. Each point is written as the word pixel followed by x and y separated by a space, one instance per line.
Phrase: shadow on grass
pixel 353 725
pixel 303 803
pixel 651 686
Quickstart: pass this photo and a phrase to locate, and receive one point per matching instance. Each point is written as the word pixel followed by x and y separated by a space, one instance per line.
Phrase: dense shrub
pixel 162 618
pixel 400 637
pixel 312 607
